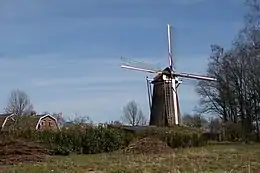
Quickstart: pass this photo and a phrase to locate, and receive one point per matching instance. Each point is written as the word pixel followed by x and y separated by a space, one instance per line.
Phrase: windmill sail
pixel 173 99
pixel 195 76
pixel 138 65
pixel 138 69
pixel 179 110
pixel 149 92
pixel 170 48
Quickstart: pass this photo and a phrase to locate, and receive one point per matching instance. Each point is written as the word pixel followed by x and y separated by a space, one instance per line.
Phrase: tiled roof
pixel 3 117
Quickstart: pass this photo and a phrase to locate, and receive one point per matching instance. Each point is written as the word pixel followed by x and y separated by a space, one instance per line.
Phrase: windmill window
pixel 50 124
pixel 42 123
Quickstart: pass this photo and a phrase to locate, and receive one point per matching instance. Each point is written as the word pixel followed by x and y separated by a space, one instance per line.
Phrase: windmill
pixel 163 99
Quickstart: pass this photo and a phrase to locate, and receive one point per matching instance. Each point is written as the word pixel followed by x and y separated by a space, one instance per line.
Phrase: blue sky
pixel 66 54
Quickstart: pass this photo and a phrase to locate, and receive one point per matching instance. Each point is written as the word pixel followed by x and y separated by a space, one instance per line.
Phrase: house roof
pixel 3 117
pixel 34 120
pixel 40 117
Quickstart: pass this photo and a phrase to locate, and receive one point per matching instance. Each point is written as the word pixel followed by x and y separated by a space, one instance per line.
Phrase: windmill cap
pixel 167 71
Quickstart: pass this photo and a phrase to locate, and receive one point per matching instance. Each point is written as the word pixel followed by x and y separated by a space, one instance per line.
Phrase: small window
pixel 50 124
pixel 43 123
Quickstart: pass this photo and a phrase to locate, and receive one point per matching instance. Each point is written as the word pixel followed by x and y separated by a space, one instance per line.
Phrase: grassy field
pixel 215 158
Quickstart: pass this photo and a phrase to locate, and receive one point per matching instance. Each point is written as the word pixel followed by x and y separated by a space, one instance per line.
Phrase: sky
pixel 66 54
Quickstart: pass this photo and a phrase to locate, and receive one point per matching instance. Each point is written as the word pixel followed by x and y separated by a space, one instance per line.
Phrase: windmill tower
pixel 163 99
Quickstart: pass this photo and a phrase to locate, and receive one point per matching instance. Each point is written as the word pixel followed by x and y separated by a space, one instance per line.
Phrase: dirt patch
pixel 148 145
pixel 17 151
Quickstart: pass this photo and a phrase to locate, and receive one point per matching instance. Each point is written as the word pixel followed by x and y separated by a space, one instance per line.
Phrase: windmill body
pixel 162 107
pixel 163 99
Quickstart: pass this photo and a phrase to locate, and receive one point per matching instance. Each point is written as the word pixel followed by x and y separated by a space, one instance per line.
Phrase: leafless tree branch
pixel 133 115
pixel 19 103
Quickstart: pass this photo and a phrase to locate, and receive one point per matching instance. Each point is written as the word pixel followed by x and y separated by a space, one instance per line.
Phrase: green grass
pixel 215 158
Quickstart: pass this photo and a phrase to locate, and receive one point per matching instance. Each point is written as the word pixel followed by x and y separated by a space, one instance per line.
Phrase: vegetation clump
pixel 92 140
pixel 148 145
pixel 17 151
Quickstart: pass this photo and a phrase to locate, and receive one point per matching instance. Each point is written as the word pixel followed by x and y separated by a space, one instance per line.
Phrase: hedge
pixel 101 139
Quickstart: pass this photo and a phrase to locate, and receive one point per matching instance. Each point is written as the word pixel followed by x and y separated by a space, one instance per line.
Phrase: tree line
pixel 235 97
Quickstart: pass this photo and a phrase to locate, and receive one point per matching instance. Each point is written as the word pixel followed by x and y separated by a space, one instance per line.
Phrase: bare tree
pixel 59 118
pixel 235 95
pixel 80 119
pixel 116 123
pixel 133 115
pixel 214 125
pixel 143 119
pixel 19 103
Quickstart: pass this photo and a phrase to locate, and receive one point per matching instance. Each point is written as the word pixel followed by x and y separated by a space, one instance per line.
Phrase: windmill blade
pixel 170 59
pixel 139 64
pixel 138 69
pixel 148 83
pixel 179 110
pixel 194 76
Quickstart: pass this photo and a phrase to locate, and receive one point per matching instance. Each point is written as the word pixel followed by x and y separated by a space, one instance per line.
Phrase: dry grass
pixel 217 158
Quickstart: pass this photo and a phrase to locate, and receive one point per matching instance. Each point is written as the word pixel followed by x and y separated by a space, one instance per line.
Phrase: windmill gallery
pixel 163 98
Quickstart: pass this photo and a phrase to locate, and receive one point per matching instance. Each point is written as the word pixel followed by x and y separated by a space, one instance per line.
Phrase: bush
pixel 210 136
pixel 175 137
pixel 82 141
pixel 100 139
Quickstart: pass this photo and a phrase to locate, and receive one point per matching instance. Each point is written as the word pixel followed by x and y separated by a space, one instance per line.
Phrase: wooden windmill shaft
pixel 164 110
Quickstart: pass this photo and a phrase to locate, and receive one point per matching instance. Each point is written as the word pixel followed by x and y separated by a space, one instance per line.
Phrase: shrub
pixel 82 141
pixel 175 137
pixel 100 139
